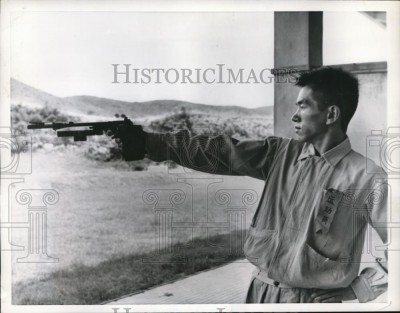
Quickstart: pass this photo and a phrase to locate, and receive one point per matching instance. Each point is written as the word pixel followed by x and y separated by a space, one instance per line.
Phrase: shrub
pixel 238 127
pixel 21 116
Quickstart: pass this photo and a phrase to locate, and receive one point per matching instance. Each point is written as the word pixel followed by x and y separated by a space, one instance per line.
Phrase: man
pixel 307 234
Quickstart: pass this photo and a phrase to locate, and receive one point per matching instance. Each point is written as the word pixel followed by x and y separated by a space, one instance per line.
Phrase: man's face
pixel 310 119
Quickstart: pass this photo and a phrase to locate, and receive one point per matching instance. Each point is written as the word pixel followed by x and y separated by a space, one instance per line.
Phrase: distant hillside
pixel 102 107
pixel 161 107
pixel 31 97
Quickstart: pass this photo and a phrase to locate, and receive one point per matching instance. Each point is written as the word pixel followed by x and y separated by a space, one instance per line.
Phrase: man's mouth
pixel 297 128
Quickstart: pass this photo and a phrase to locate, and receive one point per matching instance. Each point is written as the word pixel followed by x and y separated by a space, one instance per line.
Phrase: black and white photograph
pixel 199 157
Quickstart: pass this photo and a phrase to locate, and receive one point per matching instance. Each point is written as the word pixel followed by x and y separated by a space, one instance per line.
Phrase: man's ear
pixel 333 114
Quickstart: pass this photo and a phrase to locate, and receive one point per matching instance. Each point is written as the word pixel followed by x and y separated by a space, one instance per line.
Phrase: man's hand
pixel 333 295
pixel 131 140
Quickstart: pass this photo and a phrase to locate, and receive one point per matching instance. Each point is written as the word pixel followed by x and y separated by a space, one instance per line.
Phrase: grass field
pixel 123 275
pixel 101 215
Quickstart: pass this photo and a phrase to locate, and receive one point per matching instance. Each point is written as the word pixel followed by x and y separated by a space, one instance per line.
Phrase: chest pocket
pixel 327 209
pixel 330 224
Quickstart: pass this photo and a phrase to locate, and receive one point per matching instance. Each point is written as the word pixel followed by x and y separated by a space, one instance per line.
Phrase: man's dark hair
pixel 339 87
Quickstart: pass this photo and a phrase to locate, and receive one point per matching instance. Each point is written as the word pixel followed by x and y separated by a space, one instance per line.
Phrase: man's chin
pixel 300 138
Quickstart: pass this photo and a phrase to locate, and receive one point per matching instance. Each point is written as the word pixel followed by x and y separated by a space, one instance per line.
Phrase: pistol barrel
pixel 79 135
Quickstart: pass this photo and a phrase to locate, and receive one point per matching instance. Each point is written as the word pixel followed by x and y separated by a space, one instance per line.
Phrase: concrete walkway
pixel 226 284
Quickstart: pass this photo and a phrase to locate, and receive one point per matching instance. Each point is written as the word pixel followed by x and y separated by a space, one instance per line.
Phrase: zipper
pixel 257 213
pixel 289 213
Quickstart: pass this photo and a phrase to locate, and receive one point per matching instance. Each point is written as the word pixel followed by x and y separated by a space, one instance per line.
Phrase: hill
pixel 105 108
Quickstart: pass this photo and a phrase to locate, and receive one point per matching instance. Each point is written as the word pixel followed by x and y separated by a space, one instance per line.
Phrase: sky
pixel 71 53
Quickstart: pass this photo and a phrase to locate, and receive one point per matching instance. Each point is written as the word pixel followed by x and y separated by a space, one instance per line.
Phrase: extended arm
pixel 215 155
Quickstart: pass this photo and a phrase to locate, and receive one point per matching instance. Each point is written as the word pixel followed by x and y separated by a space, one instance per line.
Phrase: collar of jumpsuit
pixel 333 156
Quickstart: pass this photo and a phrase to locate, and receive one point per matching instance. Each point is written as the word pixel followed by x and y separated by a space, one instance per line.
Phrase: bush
pixel 21 116
pixel 238 127
pixel 178 120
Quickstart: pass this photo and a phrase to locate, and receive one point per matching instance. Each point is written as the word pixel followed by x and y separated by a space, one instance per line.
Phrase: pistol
pixel 90 129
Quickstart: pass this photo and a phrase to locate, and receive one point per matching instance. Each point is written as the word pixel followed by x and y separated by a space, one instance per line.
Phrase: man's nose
pixel 296 117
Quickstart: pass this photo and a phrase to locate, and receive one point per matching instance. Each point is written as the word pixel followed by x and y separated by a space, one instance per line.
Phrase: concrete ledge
pixel 226 284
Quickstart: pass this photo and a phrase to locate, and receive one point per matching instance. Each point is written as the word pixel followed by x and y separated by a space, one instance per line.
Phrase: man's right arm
pixel 215 155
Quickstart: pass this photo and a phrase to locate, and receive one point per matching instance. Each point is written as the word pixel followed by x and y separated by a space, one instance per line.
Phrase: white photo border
pixel 393 27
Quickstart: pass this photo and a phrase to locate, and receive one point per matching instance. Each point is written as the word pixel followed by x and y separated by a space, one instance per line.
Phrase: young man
pixel 307 234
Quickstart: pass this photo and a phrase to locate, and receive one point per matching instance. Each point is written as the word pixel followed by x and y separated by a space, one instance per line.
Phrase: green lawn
pixel 101 223
pixel 120 276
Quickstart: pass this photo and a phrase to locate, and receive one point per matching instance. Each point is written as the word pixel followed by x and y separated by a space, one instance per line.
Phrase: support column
pixel 298 46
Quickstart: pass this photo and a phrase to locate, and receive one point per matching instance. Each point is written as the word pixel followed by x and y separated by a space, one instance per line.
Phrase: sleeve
pixel 372 282
pixel 215 155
